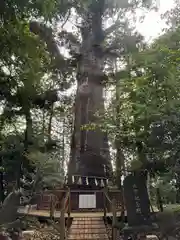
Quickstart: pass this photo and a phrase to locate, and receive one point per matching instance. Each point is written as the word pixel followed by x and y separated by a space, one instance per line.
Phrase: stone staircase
pixel 88 228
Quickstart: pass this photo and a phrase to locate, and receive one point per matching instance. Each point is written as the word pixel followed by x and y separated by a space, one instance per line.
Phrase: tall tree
pixel 92 50
pixel 97 48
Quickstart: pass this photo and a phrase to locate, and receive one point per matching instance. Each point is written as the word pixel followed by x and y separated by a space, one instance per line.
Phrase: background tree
pixel 29 93
pixel 144 108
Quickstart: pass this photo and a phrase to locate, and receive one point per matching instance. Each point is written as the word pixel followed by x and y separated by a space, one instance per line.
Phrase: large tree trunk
pixel 89 96
pixel 90 70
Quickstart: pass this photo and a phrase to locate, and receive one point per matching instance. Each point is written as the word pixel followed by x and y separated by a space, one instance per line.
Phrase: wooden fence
pixel 64 206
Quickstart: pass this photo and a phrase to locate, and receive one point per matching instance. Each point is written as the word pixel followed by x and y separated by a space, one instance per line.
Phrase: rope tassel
pixel 80 181
pixel 96 182
pixel 87 182
pixel 72 179
pixel 106 181
pixel 66 180
pixel 102 183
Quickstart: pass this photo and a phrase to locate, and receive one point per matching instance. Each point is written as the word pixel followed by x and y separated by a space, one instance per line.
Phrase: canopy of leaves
pixel 144 112
pixel 28 88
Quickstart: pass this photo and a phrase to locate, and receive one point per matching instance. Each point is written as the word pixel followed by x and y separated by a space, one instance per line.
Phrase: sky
pixel 153 24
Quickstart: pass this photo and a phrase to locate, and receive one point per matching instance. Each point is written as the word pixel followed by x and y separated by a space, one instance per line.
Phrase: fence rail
pixel 112 203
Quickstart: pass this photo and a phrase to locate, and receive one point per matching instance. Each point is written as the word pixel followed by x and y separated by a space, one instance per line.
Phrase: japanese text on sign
pixel 137 199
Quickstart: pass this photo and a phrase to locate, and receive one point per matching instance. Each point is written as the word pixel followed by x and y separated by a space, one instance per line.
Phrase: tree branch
pixel 71 41
pixel 69 36
pixel 46 35
pixel 68 15
pixel 114 26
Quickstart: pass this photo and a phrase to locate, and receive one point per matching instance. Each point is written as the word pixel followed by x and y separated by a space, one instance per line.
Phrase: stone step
pixel 93 226
pixel 87 218
pixel 88 230
pixel 88 222
pixel 88 236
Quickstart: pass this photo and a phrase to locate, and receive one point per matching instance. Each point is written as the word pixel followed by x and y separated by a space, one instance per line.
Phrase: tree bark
pixel 90 70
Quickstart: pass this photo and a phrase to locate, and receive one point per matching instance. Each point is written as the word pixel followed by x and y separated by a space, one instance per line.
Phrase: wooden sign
pixel 87 201
pixel 136 200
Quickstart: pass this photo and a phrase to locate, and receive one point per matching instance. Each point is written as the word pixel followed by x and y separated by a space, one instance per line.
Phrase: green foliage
pixel 147 99
pixel 11 10
pixel 167 187
pixel 25 65
pixel 30 121
pixel 49 170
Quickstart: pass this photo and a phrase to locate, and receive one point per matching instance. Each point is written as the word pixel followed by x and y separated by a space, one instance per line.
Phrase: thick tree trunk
pixel 89 101
pixel 90 70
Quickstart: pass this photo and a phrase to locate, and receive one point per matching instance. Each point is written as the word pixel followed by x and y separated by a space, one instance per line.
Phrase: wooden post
pixel 114 229
pixel 69 204
pixel 104 201
pixel 69 210
pixel 159 200
pixel 51 208
pixel 62 220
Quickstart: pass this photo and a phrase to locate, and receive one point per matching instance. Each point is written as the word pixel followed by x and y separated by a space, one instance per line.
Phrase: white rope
pixel 80 181
pixel 90 177
pixel 87 182
pixel 102 183
pixel 73 179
